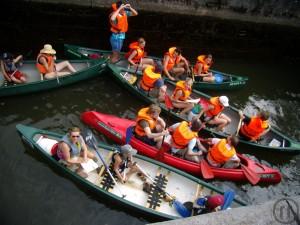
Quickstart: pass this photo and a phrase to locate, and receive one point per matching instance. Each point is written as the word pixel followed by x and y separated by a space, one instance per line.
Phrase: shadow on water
pixel 44 197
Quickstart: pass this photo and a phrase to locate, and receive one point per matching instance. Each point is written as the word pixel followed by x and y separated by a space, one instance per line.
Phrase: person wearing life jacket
pixel 205 204
pixel 181 96
pixel 45 63
pixel 201 68
pixel 184 138
pixel 213 113
pixel 174 64
pixel 255 127
pixel 118 19
pixel 222 152
pixel 10 68
pixel 137 55
pixel 152 83
pixel 150 128
pixel 121 160
pixel 73 150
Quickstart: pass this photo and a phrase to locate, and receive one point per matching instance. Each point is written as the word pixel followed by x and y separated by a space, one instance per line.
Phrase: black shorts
pixel 146 140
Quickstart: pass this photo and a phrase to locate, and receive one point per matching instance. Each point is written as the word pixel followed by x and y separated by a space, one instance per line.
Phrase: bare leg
pixel 64 65
pixel 114 56
pixel 55 74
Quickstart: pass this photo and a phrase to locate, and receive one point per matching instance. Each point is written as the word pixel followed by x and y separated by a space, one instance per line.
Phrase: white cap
pixel 127 149
pixel 224 101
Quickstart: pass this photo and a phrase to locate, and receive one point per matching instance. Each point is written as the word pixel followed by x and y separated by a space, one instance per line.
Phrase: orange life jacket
pixel 122 23
pixel 172 61
pixel 180 85
pixel 255 128
pixel 218 107
pixel 134 46
pixel 143 115
pixel 41 67
pixel 182 135
pixel 149 78
pixel 219 152
pixel 205 66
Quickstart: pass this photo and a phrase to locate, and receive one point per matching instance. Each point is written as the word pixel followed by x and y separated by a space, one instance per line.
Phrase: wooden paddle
pixel 92 142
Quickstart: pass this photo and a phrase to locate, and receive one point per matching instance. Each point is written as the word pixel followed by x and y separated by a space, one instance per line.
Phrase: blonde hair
pixel 153 108
pixel 74 129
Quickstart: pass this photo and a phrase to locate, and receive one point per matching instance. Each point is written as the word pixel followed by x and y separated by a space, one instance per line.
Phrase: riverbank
pixel 272 212
pixel 277 12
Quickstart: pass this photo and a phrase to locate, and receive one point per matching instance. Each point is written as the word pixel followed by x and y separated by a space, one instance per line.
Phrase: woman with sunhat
pixel 47 67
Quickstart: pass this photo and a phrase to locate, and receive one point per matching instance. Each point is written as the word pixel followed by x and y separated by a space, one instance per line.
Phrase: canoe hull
pixel 232 82
pixel 92 69
pixel 29 135
pixel 115 128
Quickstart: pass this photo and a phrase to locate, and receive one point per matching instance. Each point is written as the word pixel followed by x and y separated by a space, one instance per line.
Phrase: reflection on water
pixel 26 178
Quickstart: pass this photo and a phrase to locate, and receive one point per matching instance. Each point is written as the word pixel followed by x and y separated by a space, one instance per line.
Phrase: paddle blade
pixel 181 209
pixel 251 175
pixel 168 102
pixel 129 133
pixel 206 171
pixel 228 198
pixel 90 139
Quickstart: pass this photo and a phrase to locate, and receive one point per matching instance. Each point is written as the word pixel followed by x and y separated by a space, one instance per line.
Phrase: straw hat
pixel 48 50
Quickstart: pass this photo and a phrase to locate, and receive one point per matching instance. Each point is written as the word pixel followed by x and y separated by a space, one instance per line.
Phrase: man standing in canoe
pixel 119 26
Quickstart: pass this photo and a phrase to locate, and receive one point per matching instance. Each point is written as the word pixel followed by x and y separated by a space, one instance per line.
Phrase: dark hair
pixel 178 50
pixel 264 115
pixel 234 140
pixel 119 3
pixel 195 124
pixel 7 55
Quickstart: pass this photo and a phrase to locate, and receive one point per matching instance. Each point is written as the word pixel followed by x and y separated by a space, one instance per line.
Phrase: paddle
pixel 251 175
pixel 92 142
pixel 240 122
pixel 180 208
pixel 228 198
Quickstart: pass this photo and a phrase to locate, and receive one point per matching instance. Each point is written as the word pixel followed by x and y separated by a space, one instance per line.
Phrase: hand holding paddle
pixel 92 142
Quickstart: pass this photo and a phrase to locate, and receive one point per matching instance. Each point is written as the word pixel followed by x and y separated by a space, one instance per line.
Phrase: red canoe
pixel 115 128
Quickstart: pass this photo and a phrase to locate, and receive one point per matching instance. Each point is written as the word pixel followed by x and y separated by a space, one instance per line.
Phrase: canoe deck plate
pixel 157 191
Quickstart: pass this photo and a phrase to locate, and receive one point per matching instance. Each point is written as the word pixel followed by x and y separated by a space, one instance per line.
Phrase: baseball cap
pixel 127 149
pixel 224 100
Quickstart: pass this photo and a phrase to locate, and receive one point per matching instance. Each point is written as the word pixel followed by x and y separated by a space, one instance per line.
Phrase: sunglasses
pixel 75 136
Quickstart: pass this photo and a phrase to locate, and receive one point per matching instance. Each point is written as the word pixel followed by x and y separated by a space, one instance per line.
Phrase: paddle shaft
pixel 108 171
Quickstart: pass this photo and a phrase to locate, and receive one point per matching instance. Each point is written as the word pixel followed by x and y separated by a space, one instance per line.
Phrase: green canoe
pixel 165 179
pixel 226 81
pixel 273 141
pixel 85 69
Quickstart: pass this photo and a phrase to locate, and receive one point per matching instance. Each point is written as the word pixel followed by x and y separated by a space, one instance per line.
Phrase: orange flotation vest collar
pixel 149 78
pixel 219 152
pixel 182 135
pixel 172 61
pixel 205 66
pixel 255 128
pixel 218 107
pixel 134 46
pixel 180 85
pixel 50 60
pixel 143 115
